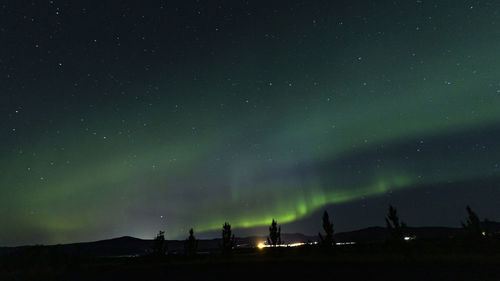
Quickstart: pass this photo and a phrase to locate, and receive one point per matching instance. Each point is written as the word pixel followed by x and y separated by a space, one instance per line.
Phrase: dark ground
pixel 368 262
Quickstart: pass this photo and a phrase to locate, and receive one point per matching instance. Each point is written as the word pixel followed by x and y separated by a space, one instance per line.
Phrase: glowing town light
pixel 408 238
pixel 262 245
pixel 345 243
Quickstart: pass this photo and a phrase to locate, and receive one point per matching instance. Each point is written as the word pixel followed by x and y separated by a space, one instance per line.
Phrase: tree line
pixel 396 228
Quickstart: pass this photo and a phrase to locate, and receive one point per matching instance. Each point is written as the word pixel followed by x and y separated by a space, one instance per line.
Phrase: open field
pixel 374 262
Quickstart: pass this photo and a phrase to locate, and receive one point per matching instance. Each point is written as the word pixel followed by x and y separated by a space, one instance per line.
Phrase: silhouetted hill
pixel 379 234
pixel 130 246
pixel 111 247
pixel 121 246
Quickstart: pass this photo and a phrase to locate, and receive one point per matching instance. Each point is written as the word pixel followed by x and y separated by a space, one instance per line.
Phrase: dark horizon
pixel 262 231
pixel 287 238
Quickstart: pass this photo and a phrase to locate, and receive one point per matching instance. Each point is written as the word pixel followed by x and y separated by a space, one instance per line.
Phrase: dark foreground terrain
pixel 362 262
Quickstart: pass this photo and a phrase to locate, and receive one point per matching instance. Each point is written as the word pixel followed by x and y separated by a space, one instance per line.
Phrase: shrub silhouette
pixel 396 228
pixel 160 245
pixel 191 244
pixel 473 228
pixel 327 241
pixel 227 239
pixel 274 234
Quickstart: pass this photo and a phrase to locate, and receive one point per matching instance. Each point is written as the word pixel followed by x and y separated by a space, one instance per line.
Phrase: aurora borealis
pixel 124 119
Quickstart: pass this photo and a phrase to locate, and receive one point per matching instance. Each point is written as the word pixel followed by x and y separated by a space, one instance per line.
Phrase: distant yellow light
pixel 263 245
pixel 483 233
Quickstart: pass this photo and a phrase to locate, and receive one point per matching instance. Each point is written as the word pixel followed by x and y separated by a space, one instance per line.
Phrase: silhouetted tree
pixel 472 226
pixel 327 241
pixel 191 244
pixel 274 234
pixel 227 239
pixel 396 228
pixel 160 245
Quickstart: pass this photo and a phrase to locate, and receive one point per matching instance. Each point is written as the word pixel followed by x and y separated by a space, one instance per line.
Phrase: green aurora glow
pixel 273 123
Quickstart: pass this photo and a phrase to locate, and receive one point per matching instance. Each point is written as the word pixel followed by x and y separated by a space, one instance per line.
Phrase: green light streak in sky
pixel 244 142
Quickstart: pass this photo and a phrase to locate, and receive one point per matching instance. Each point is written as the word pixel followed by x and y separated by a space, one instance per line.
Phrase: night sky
pixel 124 118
